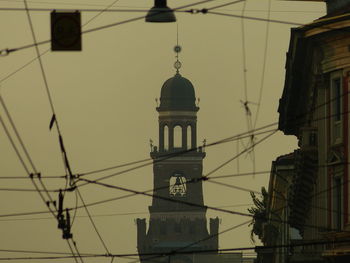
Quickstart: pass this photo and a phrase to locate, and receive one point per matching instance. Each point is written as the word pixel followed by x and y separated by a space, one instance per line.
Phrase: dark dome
pixel 177 94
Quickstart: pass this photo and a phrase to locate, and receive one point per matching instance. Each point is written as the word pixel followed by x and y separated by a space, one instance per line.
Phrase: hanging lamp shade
pixel 160 13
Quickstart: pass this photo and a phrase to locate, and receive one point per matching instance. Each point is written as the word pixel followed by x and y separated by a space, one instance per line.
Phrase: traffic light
pixel 65 31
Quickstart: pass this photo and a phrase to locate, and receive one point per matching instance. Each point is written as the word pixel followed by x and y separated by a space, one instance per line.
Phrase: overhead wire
pixel 193 11
pixel 28 172
pixel 46 51
pixel 263 71
pixel 106 215
pixel 173 155
pixel 117 198
pixel 205 251
pixel 104 26
pixel 54 115
pixel 246 101
pixel 313 226
pixel 269 125
pixel 165 198
pixel 67 9
pixel 175 251
pixel 25 177
pixel 66 162
pixel 92 222
pixel 257 18
pixel 236 156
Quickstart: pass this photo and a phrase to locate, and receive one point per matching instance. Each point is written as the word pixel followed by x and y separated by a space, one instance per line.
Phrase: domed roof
pixel 177 94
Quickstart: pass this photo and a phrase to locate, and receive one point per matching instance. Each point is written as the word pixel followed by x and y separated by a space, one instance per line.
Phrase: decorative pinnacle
pixel 177 63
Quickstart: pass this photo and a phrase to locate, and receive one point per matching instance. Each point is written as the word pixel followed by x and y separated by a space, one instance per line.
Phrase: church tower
pixel 177 226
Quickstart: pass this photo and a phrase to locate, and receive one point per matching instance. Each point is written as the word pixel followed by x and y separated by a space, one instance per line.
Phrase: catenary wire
pixel 65 161
pixel 194 204
pixel 108 200
pixel 256 18
pixel 61 140
pixel 126 6
pixel 66 9
pixel 106 215
pixel 92 222
pixel 269 125
pixel 117 198
pixel 193 11
pixel 46 51
pixel 105 26
pixel 99 202
pixel 169 156
pixel 260 248
pixel 29 174
pixel 263 71
pixel 174 252
pixel 236 156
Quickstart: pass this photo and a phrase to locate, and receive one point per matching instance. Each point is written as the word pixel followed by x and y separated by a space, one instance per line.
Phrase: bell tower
pixel 177 163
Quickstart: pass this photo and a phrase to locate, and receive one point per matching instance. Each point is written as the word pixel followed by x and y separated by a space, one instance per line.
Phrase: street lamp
pixel 160 13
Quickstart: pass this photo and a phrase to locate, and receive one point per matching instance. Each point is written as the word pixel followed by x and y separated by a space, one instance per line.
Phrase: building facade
pixel 314 108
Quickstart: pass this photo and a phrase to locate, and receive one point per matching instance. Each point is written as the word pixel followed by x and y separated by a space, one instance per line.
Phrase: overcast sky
pixel 104 97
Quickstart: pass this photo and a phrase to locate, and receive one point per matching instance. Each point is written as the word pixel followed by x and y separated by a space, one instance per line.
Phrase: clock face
pixel 177 187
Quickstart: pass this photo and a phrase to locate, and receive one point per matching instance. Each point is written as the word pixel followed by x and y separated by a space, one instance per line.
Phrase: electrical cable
pixel 106 9
pixel 117 198
pixel 27 190
pixel 25 177
pixel 169 156
pixel 67 9
pixel 257 18
pixel 108 200
pixel 114 167
pixel 7 51
pixel 21 142
pixel 174 252
pixel 28 172
pixel 105 215
pixel 236 156
pixel 259 248
pixel 262 81
pixel 233 186
pixel 194 204
pixel 46 51
pixel 92 222
pixel 232 137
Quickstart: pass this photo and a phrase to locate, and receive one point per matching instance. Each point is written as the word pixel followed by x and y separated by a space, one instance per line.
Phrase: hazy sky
pixel 105 103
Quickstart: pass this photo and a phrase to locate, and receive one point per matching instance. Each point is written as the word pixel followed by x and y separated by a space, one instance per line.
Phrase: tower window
pixel 189 137
pixel 177 137
pixel 337 203
pixel 166 137
pixel 177 186
pixel 336 107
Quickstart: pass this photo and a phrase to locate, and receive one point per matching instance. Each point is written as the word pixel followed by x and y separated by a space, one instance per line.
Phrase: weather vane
pixel 177 50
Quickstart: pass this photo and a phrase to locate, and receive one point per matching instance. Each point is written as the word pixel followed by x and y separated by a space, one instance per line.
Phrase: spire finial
pixel 177 50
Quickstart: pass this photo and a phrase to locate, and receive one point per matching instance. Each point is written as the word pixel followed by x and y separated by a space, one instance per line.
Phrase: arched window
pixel 189 137
pixel 166 137
pixel 177 137
pixel 177 186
